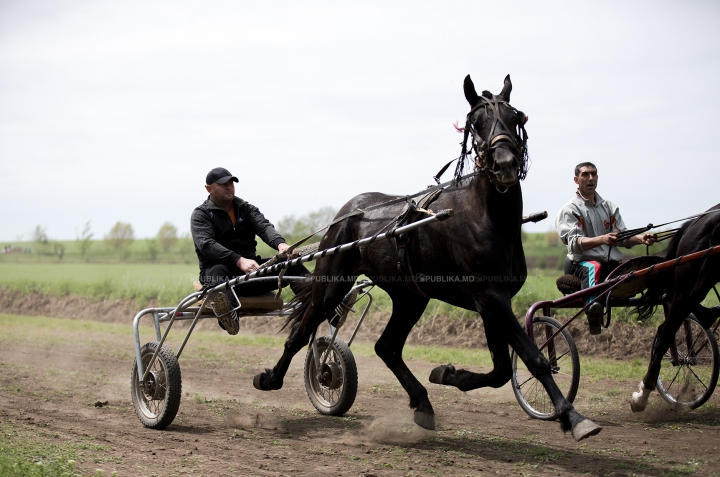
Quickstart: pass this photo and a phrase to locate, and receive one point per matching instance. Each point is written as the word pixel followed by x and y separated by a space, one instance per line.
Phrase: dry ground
pixel 53 371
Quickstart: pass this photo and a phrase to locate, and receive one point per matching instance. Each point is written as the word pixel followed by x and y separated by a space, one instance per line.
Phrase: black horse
pixel 684 287
pixel 478 254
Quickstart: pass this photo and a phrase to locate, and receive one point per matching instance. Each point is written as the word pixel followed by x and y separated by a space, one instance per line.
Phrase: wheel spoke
pixel 562 355
pixel 692 382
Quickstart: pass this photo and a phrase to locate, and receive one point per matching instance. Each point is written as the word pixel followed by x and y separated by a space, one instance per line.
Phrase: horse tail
pixel 300 303
pixel 659 284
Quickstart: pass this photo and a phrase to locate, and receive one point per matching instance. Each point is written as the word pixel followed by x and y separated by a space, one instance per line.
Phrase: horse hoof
pixel 439 375
pixel 425 420
pixel 257 381
pixel 635 406
pixel 585 428
pixel 639 399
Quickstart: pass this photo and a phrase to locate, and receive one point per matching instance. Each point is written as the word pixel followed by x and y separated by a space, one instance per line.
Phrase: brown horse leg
pixel 407 309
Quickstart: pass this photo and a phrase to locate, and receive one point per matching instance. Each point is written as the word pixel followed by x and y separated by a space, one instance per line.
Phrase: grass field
pixel 141 282
pixel 143 273
pixel 169 283
pixel 544 249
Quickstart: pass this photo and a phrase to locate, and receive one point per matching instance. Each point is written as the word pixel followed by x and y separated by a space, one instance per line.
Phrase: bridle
pixel 499 137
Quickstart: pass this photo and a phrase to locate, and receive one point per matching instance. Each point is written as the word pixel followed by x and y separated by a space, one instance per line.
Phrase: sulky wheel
pixel 157 401
pixel 564 360
pixel 688 379
pixel 332 391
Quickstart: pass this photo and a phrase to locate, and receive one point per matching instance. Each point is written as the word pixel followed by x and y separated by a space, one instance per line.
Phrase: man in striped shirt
pixel 588 225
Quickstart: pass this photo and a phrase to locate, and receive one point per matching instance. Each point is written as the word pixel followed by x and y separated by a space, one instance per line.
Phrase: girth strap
pixel 411 213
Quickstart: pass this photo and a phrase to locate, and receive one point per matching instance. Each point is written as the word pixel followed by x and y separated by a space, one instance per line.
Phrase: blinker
pixel 522 118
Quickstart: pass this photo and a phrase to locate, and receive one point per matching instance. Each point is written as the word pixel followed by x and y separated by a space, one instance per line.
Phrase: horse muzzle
pixel 506 167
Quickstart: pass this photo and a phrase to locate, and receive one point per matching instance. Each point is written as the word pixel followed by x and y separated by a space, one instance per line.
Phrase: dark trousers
pixel 221 273
pixel 591 272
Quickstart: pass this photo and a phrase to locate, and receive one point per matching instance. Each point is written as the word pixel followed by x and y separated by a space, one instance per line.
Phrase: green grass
pixel 598 368
pixel 168 278
pixel 167 283
pixel 23 454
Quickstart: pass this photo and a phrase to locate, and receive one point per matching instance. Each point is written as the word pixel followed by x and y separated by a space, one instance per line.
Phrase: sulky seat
pixel 266 302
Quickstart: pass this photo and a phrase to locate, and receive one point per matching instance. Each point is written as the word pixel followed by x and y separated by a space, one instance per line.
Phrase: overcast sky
pixel 115 111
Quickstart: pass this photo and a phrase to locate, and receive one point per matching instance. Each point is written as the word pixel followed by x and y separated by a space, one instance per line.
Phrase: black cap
pixel 219 175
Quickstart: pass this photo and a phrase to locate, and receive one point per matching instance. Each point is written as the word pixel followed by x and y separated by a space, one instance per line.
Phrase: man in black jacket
pixel 224 229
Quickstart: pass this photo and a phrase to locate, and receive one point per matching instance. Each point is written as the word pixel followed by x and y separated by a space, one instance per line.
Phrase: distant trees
pixel 167 236
pixel 44 245
pixel 552 239
pixel 120 237
pixel 295 228
pixel 84 240
pixel 40 235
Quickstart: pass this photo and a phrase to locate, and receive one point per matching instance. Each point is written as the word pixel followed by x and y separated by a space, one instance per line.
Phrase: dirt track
pixel 50 380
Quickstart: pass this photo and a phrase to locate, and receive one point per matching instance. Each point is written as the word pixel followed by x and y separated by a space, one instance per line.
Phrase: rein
pixel 660 236
pixel 406 198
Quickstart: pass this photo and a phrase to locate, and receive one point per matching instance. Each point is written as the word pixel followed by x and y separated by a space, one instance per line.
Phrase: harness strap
pixel 378 206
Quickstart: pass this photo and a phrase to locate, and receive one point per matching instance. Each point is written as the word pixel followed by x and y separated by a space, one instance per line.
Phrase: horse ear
pixel 507 88
pixel 470 93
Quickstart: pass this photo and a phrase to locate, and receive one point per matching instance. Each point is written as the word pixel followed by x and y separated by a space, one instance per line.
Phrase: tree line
pixel 120 238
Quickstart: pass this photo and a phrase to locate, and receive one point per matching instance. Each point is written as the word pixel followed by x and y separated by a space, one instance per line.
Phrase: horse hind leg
pixel 407 309
pixel 300 332
pixel 466 380
pixel 678 310
pixel 318 305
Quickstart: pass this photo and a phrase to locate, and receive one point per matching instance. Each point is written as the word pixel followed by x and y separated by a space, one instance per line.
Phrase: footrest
pixel 262 302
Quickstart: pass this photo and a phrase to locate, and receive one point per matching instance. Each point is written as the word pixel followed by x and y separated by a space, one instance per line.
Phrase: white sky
pixel 117 110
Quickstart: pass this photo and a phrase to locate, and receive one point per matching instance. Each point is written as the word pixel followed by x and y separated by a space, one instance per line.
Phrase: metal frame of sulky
pixel 186 310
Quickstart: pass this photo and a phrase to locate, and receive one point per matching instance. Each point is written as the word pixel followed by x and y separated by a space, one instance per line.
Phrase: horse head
pixel 498 135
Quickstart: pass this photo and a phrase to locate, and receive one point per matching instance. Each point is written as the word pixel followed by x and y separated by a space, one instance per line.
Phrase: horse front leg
pixel 466 380
pixel 497 308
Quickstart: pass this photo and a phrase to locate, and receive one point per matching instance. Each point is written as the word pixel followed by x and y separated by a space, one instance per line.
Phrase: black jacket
pixel 218 242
